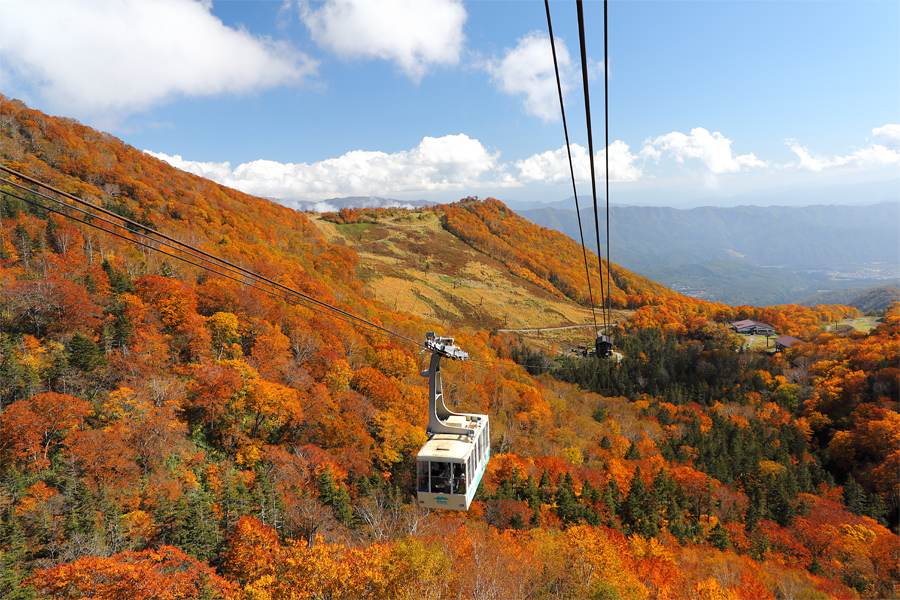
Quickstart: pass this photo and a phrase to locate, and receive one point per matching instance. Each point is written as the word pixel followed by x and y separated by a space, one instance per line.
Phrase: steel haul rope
pixel 587 111
pixel 562 109
pixel 193 252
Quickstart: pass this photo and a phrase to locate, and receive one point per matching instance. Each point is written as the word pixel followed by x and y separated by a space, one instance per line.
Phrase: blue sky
pixel 440 99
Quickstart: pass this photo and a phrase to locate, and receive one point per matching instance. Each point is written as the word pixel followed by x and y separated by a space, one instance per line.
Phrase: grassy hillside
pixel 412 264
pixel 478 264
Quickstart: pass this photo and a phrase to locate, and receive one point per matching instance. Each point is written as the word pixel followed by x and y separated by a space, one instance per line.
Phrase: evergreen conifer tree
pixel 83 353
pixel 718 537
pixel 637 510
pixel 854 497
pixel 119 282
pixel 506 490
pixel 545 488
pixel 633 453
pixel 751 515
pixel 12 373
pixel 531 493
pixel 337 497
pixel 12 556
pixel 780 506
pixel 567 507
pixel 613 499
pixel 326 488
pixel 587 492
pixel 342 508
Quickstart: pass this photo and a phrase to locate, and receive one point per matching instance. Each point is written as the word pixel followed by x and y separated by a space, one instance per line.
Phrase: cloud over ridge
pixel 713 150
pixel 450 162
pixel 552 166
pixel 875 156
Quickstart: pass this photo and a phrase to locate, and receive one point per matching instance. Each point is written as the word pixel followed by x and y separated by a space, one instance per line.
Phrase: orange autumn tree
pixel 238 408
pixel 165 572
pixel 266 568
pixel 30 429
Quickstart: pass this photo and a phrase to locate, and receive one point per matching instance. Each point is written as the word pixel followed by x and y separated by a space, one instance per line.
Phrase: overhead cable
pixel 606 119
pixel 562 109
pixel 290 299
pixel 587 111
pixel 196 254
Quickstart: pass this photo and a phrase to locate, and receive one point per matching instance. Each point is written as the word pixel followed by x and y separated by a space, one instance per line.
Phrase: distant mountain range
pixel 844 194
pixel 644 237
pixel 730 254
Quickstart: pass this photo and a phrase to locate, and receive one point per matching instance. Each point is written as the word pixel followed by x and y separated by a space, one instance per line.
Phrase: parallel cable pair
pixel 604 296
pixel 194 256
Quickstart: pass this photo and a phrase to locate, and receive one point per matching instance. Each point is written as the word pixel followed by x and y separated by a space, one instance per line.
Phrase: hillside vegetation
pixel 411 263
pixel 477 263
pixel 167 432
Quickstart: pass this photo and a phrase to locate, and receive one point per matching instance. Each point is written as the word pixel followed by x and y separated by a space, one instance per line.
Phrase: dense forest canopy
pixel 166 432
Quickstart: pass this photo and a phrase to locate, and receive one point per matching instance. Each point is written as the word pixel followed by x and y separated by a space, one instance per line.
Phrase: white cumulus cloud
pixel 552 166
pixel 876 156
pixel 416 34
pixel 527 70
pixel 452 162
pixel 888 134
pixel 713 150
pixel 809 162
pixel 116 57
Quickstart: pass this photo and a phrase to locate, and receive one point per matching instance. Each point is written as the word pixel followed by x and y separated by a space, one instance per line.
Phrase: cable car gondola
pixel 450 465
pixel 603 346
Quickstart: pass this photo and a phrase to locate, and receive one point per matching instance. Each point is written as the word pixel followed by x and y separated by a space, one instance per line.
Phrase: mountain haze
pixel 803 250
pixel 806 237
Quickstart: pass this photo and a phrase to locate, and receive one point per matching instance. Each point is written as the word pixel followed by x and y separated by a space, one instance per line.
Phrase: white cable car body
pixel 450 465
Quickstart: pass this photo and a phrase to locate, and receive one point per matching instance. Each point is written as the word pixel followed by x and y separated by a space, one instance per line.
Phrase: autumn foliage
pixel 166 432
pixel 544 257
pixel 152 574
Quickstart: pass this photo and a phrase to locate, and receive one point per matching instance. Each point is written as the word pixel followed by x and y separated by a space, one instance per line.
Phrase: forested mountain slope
pixel 167 432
